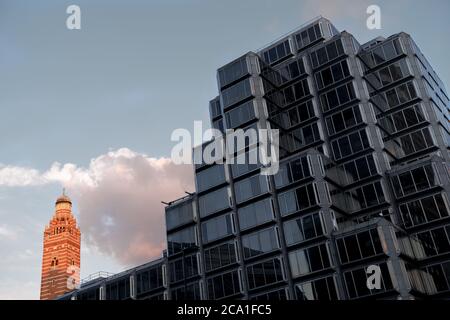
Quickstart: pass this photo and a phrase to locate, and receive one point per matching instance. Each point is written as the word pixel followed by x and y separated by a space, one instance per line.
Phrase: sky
pixel 93 109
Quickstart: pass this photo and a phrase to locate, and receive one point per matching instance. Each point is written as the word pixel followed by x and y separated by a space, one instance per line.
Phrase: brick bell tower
pixel 61 254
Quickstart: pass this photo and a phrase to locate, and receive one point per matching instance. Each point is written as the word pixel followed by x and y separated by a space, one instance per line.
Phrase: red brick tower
pixel 61 256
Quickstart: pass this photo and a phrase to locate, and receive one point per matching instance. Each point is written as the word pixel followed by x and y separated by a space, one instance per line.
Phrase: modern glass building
pixel 145 282
pixel 364 178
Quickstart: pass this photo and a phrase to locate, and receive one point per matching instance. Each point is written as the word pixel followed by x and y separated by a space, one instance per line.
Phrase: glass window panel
pixel 430 209
pixel 392 98
pixel 363 168
pixel 210 177
pixel 344 145
pixel 255 214
pixel 427 137
pixel 288 203
pixel 216 228
pixel 308 227
pixel 305 291
pixel 250 187
pixel 236 93
pixel 378 55
pixel 366 245
pixel 411 116
pixel 213 202
pixel 337 72
pixel 332 50
pixel 351 171
pixel 338 121
pixel 352 248
pixel 399 121
pixel 441 205
pixel 396 72
pixel 441 240
pixel 332 97
pixel 350 284
pixel 311 34
pixel 343 94
pixel 342 250
pixel 293 116
pixel 385 76
pixel 407 144
pixel 299 262
pixel 418 140
pixel 421 179
pixel 360 280
pixel 355 142
pixel 389 50
pixel 349 117
pixel 402 93
pixel 438 277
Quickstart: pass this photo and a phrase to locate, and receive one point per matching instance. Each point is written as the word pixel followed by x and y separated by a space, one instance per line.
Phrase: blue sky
pixel 115 90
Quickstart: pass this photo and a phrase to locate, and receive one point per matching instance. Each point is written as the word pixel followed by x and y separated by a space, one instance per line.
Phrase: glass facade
pixel 320 289
pixel 359 246
pixel 309 260
pixel 304 228
pixel 264 273
pixel 180 215
pixel 260 242
pixel 355 282
pixel 217 228
pixel 220 256
pixel 148 280
pixel 223 285
pixel 180 240
pixel 255 214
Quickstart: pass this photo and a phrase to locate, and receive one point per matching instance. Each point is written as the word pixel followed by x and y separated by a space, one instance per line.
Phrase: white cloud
pixel 9 259
pixel 16 289
pixel 8 232
pixel 19 176
pixel 119 198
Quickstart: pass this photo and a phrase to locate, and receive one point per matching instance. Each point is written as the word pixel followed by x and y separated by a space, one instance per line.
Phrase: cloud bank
pixel 118 197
